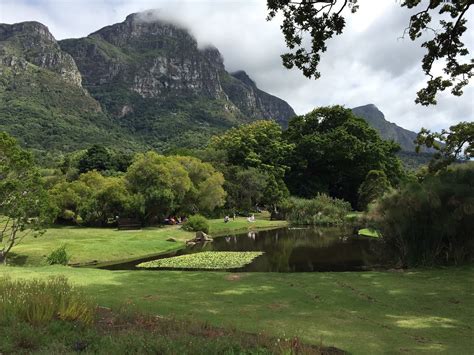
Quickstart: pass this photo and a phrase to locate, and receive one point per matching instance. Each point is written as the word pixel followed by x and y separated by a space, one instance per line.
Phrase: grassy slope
pixel 365 313
pixel 104 245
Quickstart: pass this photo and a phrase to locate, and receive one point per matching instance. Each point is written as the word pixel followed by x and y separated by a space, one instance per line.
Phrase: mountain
pixel 42 101
pixel 387 130
pixel 139 83
pixel 156 81
pixel 390 131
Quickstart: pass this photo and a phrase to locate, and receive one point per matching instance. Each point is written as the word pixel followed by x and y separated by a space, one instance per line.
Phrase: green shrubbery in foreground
pixel 321 210
pixel 51 317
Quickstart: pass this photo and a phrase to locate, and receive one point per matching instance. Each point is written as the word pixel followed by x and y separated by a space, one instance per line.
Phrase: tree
pixel 24 204
pixel 97 158
pixel 334 151
pixel 374 186
pixel 160 182
pixel 453 145
pixel 321 20
pixel 258 145
pixel 206 191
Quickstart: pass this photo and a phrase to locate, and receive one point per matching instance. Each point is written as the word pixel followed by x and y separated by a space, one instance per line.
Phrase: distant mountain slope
pixel 390 131
pixel 387 130
pixel 139 83
pixel 42 101
pixel 156 81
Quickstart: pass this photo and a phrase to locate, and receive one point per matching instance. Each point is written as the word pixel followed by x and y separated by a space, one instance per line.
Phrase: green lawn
pixel 422 311
pixel 108 245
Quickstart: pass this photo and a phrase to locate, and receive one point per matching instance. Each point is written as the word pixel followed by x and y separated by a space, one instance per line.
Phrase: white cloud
pixel 367 64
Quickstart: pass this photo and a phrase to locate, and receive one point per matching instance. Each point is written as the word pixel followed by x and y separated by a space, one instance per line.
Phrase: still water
pixel 290 249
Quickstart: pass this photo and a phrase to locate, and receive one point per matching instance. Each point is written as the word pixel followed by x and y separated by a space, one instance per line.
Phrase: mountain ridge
pixel 146 83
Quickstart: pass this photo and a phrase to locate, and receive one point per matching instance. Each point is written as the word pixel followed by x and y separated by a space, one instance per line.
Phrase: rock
pixel 200 237
pixel 171 240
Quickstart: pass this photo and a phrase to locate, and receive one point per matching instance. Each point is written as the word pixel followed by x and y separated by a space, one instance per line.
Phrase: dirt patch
pixel 233 277
pixel 357 292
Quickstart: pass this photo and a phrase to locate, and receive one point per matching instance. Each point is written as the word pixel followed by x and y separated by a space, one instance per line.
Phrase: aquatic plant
pixel 205 260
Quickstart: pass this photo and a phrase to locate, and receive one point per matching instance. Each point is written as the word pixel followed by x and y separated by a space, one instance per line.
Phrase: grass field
pixel 107 244
pixel 422 311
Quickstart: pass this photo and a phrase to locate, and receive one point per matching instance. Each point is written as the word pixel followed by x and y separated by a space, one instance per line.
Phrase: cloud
pixel 368 63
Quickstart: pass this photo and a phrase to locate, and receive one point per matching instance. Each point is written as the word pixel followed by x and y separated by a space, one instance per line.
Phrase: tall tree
pixel 24 204
pixel 334 151
pixel 259 145
pixel 321 20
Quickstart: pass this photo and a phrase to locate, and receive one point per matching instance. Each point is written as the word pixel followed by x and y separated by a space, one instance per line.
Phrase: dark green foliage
pixel 321 210
pixel 318 18
pixel 446 45
pixel 373 187
pixel 259 153
pixel 334 151
pixel 321 20
pixel 58 256
pixel 197 223
pixel 95 158
pixel 429 223
pixel 457 144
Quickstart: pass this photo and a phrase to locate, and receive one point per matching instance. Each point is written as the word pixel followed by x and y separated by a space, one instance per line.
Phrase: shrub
pixel 39 302
pixel 429 223
pixel 58 256
pixel 197 223
pixel 321 210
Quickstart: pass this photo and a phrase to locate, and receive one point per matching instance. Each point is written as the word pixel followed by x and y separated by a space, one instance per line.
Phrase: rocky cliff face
pixel 42 101
pixel 138 83
pixel 158 60
pixel 254 102
pixel 32 43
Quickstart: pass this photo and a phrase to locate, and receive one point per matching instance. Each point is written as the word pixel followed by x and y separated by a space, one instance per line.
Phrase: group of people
pixel 175 220
pixel 249 219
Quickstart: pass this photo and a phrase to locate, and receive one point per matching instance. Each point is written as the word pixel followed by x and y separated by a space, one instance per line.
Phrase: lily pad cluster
pixel 211 260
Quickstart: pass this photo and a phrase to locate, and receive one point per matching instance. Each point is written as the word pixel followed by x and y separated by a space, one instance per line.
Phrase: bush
pixel 196 223
pixel 39 302
pixel 321 210
pixel 429 223
pixel 58 256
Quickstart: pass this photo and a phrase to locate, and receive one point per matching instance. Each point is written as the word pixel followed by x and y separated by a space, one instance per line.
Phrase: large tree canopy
pixel 321 20
pixel 334 152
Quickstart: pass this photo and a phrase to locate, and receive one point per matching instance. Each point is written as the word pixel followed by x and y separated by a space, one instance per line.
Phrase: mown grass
pixel 102 245
pixel 419 311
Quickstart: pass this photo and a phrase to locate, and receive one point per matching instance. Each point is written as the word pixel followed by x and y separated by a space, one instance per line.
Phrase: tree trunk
pixel 3 257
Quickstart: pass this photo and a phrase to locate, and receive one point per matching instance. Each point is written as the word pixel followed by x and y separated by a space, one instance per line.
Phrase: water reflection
pixel 293 249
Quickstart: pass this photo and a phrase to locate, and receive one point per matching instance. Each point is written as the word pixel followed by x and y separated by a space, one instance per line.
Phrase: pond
pixel 290 249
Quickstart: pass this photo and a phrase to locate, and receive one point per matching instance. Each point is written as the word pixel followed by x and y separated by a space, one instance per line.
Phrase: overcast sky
pixel 369 63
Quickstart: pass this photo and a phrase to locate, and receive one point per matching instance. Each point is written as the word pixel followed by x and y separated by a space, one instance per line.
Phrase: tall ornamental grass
pixel 39 302
pixel 429 223
pixel 321 210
